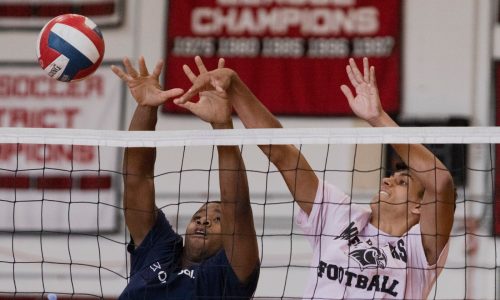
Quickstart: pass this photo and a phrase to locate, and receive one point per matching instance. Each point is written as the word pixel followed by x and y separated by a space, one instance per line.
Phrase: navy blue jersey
pixel 156 271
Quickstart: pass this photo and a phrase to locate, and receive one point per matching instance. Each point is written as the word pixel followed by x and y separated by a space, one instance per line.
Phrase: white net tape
pixel 114 138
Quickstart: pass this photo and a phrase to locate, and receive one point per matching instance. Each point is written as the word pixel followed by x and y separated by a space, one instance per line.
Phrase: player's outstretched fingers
pixel 221 63
pixel 143 69
pixel 157 69
pixel 200 65
pixel 130 69
pixel 351 76
pixel 120 73
pixel 185 98
pixel 188 105
pixel 189 73
pixel 172 93
pixel 373 78
pixel 366 70
pixel 347 92
pixel 357 74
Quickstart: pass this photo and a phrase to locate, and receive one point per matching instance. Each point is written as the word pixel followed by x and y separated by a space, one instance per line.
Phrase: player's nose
pixel 204 221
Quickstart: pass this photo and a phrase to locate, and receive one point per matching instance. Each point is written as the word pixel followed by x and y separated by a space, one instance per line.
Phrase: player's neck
pixel 188 261
pixel 391 226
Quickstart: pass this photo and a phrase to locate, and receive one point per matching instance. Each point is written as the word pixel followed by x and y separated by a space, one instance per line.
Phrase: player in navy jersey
pixel 219 258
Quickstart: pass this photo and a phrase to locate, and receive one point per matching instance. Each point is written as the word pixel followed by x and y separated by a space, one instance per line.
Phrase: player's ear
pixel 416 209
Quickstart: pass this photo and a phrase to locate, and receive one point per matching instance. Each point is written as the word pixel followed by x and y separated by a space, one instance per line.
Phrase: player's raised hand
pixel 213 106
pixel 145 87
pixel 366 103
pixel 218 79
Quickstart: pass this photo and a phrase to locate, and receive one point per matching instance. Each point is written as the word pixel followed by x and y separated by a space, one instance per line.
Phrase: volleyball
pixel 70 47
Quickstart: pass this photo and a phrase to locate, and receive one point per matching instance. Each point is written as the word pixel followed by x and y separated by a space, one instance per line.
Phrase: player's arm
pixel 296 171
pixel 138 163
pixel 238 230
pixel 293 166
pixel 437 207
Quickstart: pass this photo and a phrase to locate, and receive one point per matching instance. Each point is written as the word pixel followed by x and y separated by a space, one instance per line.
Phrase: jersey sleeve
pixel 421 275
pixel 331 208
pixel 161 244
pixel 217 279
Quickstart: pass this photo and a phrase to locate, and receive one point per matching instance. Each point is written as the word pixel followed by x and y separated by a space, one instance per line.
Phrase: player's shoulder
pixel 331 194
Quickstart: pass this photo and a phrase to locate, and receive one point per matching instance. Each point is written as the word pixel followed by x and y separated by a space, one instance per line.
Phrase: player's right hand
pixel 145 87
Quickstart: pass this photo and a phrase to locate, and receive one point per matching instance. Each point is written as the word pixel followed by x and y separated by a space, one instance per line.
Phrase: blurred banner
pixel 33 14
pixel 291 53
pixel 54 187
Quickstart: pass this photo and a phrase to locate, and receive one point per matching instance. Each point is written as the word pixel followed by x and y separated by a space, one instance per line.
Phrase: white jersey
pixel 354 259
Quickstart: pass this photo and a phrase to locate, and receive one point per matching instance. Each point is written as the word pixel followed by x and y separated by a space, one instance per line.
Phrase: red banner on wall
pixel 291 53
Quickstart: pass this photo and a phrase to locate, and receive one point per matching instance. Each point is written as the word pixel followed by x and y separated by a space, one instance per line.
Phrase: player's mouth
pixel 200 233
pixel 384 191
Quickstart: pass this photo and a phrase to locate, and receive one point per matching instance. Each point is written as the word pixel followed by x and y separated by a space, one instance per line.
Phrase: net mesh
pixel 62 229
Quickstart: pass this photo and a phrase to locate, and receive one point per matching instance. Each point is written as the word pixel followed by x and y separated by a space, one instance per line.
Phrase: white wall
pixel 447 52
pixel 496 31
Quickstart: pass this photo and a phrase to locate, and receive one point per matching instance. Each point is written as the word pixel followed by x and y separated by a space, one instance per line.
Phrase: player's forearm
pixel 250 110
pixel 144 118
pixel 239 238
pixel 297 173
pixel 232 177
pixel 422 162
pixel 232 173
pixel 138 178
pixel 140 161
pixel 253 114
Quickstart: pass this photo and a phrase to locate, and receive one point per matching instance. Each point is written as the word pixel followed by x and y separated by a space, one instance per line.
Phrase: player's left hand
pixel 145 87
pixel 366 104
pixel 214 105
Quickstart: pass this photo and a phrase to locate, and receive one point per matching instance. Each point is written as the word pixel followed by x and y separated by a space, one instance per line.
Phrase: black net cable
pixel 41 218
pixel 69 227
pixel 292 220
pixel 492 161
pixel 266 194
pixel 353 167
pixel 14 222
pixel 321 215
pixel 100 267
pixel 467 271
pixel 181 169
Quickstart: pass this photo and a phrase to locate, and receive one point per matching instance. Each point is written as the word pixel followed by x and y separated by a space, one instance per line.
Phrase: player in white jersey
pixel 394 250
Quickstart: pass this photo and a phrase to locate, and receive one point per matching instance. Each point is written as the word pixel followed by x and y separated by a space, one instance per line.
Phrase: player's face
pixel 203 233
pixel 398 194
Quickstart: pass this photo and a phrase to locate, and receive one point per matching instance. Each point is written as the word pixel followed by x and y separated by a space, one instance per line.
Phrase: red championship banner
pixel 291 53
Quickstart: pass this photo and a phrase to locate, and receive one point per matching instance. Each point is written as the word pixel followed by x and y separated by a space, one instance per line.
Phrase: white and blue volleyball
pixel 70 47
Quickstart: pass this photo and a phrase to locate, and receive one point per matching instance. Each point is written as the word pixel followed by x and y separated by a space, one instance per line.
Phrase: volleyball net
pixel 62 229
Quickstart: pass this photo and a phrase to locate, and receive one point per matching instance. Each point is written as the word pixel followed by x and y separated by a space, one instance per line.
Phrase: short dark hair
pixel 401 166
